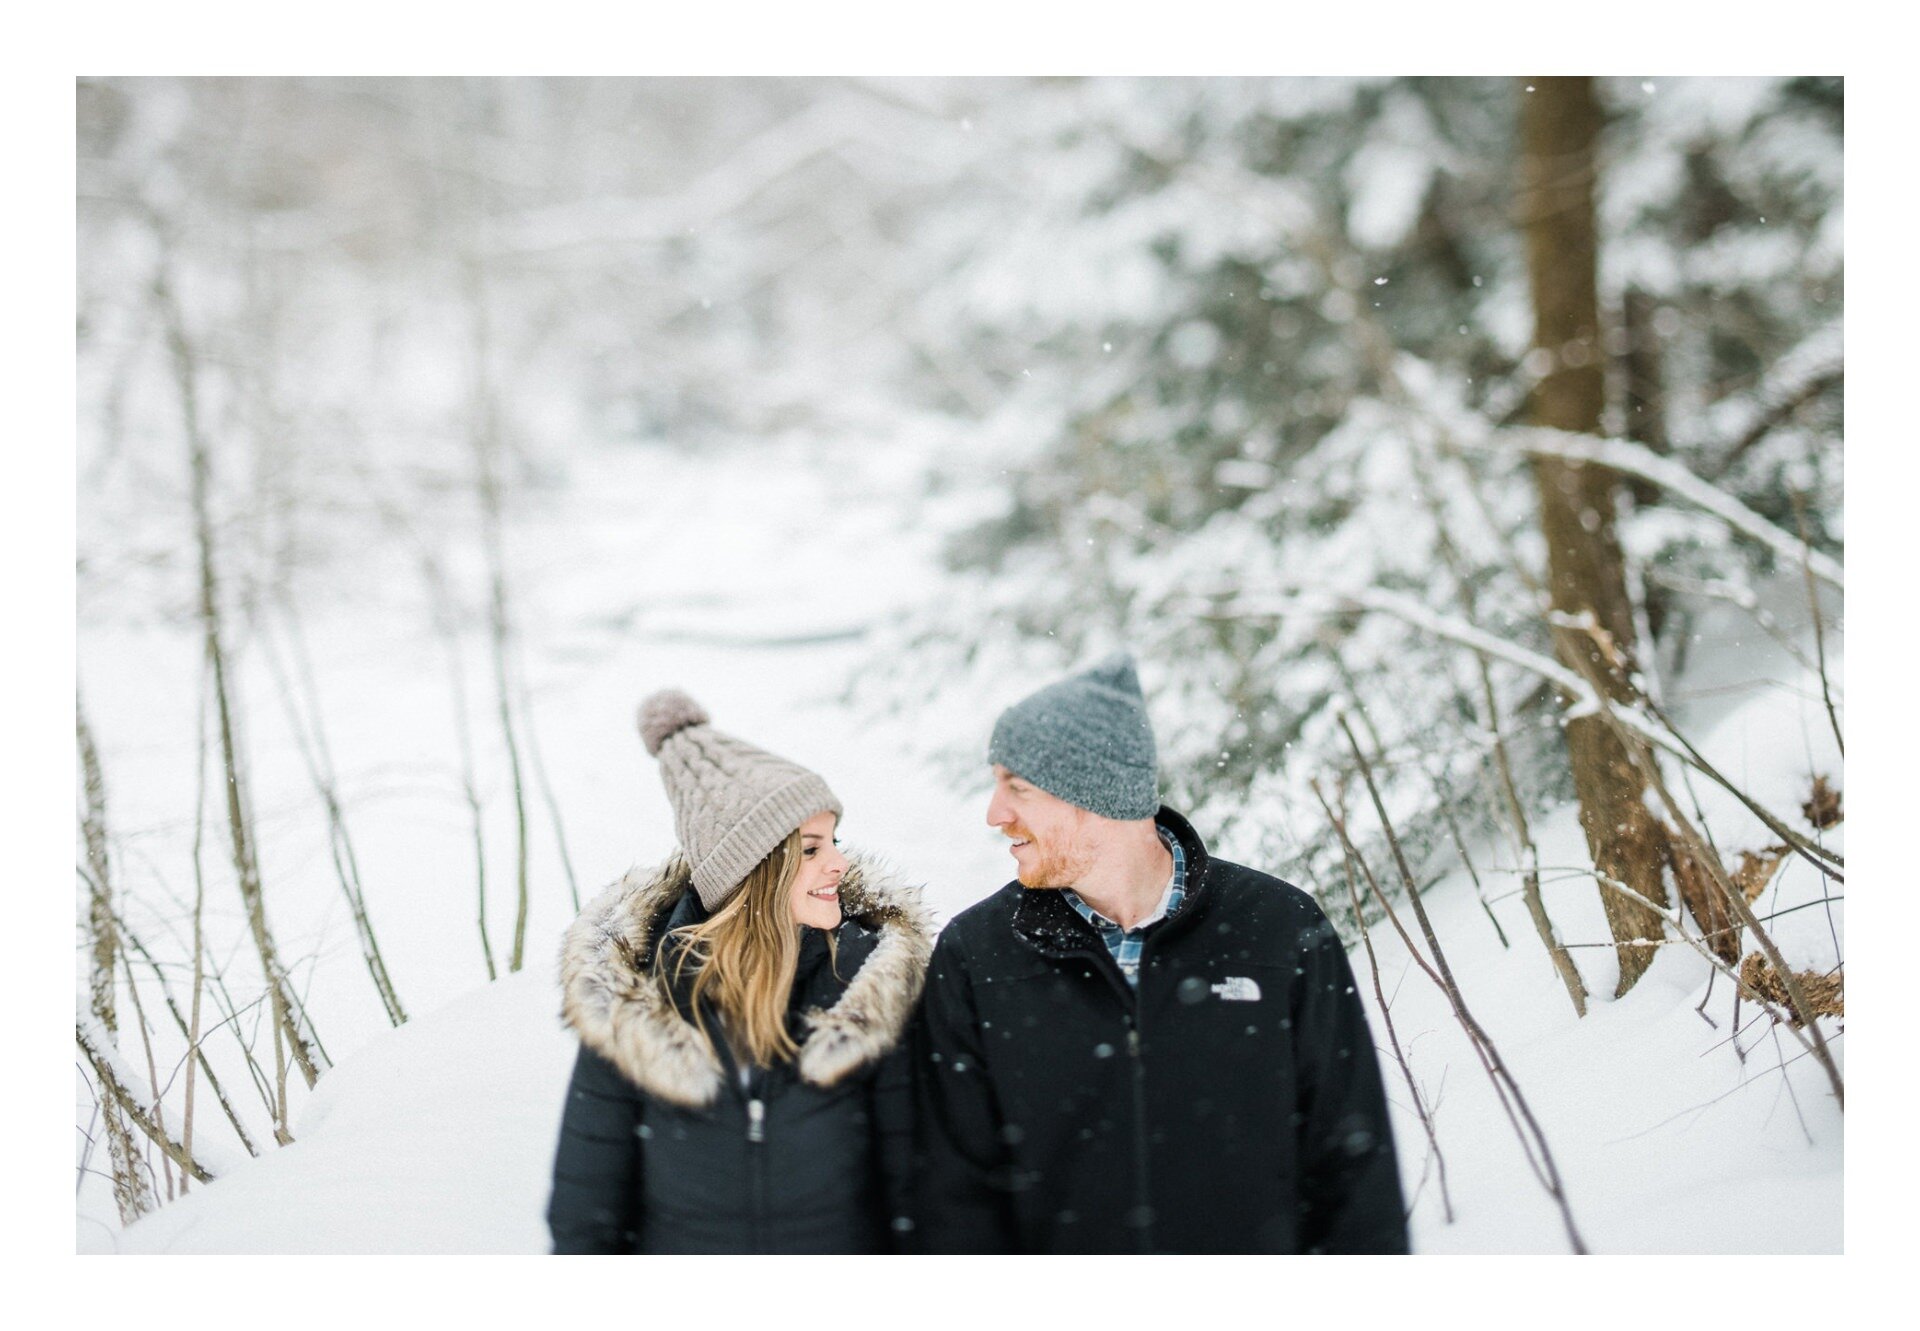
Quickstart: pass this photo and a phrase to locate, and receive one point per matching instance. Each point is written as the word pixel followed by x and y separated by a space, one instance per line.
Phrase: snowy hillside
pixel 1671 1136
pixel 439 1136
pixel 434 1138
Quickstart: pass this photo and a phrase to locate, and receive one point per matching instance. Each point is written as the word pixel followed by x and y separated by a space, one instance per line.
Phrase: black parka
pixel 663 1149
pixel 1232 1103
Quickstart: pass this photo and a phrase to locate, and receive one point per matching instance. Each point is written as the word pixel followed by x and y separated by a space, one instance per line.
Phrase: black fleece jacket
pixel 1232 1103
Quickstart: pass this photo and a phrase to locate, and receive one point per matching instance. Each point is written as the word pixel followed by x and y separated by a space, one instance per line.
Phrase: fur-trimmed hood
pixel 621 1010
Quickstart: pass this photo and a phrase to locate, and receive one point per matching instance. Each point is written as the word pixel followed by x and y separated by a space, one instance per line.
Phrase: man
pixel 1136 1046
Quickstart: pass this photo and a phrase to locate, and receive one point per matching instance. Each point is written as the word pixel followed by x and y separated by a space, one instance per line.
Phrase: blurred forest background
pixel 1423 437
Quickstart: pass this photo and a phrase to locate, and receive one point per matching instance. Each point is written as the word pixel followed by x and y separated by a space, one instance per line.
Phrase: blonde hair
pixel 744 957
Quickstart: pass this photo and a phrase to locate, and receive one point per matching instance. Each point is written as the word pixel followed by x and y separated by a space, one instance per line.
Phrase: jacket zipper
pixel 1130 999
pixel 1143 1190
pixel 751 1088
pixel 757 1168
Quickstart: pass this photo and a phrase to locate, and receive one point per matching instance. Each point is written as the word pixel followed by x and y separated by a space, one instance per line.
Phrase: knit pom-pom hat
pixel 732 803
pixel 1087 739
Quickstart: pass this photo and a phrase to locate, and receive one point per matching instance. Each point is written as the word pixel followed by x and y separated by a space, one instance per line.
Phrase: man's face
pixel 1048 834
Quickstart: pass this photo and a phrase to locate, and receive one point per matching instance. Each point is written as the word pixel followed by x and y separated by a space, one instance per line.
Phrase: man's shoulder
pixel 1250 897
pixel 1263 901
pixel 985 920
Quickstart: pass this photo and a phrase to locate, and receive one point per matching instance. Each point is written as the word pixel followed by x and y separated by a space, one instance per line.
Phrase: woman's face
pixel 816 888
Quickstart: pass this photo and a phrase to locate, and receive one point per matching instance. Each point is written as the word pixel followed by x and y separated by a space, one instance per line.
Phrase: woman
pixel 740 1086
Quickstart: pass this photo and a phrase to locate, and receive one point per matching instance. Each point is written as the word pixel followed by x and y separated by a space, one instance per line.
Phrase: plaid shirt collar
pixel 1125 944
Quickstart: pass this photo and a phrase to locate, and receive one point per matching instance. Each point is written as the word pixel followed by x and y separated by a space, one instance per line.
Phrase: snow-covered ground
pixel 749 579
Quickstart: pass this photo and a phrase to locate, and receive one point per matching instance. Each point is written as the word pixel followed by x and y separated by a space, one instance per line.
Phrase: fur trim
pixel 665 714
pixel 611 999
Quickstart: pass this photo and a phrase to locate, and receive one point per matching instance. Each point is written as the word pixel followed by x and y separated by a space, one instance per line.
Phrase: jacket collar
pixel 1045 920
pixel 618 1007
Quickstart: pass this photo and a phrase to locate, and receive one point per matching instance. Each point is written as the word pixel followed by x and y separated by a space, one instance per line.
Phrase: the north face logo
pixel 1238 989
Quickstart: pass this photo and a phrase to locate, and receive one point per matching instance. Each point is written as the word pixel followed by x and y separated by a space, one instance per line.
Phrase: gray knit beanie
pixel 1085 739
pixel 732 803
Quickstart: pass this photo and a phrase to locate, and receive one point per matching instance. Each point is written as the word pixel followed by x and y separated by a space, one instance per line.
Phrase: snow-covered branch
pixel 117 1080
pixel 1653 728
pixel 1325 600
pixel 1623 455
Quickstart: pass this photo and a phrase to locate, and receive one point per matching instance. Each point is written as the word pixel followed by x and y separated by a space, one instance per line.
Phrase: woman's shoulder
pixel 874 896
pixel 882 945
pixel 613 1002
pixel 615 933
pixel 884 921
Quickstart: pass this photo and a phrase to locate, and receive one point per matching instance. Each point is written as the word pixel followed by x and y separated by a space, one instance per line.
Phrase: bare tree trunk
pixel 1348 856
pixel 1707 859
pixel 311 739
pixel 131 1193
pixel 230 1014
pixel 158 1105
pixel 1527 854
pixel 499 632
pixel 287 1010
pixel 486 452
pixel 1445 798
pixel 191 1032
pixel 192 1029
pixel 446 623
pixel 470 788
pixel 1533 1140
pixel 1560 120
pixel 547 796
pixel 113 1086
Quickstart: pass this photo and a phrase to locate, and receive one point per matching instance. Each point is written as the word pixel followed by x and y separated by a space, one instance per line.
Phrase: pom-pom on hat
pixel 733 803
pixel 665 714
